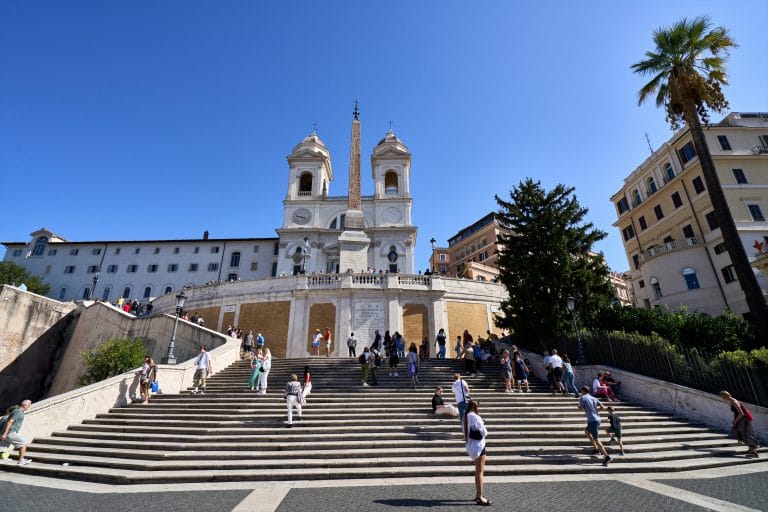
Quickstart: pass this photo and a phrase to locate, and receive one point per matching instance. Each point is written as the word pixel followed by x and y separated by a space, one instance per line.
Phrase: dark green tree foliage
pixel 547 258
pixel 12 273
pixel 111 358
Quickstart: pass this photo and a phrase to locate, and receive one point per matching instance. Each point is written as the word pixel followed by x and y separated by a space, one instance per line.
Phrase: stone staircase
pixel 349 431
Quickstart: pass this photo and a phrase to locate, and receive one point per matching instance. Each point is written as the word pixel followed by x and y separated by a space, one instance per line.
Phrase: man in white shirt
pixel 556 364
pixel 203 370
pixel 351 344
pixel 461 393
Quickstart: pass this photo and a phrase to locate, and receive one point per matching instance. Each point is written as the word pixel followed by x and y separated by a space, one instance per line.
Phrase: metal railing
pixel 674 245
pixel 687 367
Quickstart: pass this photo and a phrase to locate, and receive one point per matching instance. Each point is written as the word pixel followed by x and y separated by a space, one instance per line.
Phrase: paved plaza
pixel 733 489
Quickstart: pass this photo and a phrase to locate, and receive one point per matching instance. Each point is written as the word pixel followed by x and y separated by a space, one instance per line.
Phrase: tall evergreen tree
pixel 546 258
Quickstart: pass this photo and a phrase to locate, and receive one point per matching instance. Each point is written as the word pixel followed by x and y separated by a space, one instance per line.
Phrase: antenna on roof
pixel 649 142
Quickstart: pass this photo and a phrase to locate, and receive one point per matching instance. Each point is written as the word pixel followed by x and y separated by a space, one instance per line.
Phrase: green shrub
pixel 111 358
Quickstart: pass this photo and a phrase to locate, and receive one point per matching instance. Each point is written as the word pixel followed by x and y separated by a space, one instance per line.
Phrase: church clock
pixel 301 216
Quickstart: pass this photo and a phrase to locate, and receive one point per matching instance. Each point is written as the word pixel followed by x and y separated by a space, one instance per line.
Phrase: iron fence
pixel 687 367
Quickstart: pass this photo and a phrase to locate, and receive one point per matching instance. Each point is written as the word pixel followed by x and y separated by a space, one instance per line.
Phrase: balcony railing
pixel 672 246
pixel 760 150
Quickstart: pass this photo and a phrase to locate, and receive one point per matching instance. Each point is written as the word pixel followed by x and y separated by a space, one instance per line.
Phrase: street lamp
pixel 571 303
pixel 169 357
pixel 433 243
pixel 95 280
pixel 306 253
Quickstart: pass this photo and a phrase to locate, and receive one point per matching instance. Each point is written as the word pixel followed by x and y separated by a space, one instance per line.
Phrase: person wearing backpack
pixel 742 424
pixel 364 367
pixel 9 432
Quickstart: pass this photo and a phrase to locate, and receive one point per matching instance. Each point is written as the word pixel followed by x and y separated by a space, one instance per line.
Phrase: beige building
pixel 471 252
pixel 670 234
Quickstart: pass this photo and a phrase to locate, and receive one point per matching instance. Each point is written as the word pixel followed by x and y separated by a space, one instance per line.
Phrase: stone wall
pixel 210 317
pixel 323 315
pixel 415 323
pixel 32 331
pixel 463 316
pixel 271 320
pixel 99 322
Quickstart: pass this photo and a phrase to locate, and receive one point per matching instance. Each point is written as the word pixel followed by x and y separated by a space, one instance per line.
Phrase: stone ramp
pixel 352 431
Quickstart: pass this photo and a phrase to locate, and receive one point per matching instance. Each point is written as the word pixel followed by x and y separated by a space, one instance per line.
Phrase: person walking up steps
pixel 591 407
pixel 316 339
pixel 506 371
pixel 351 344
pixel 461 395
pixel 266 365
pixel 614 429
pixel 742 425
pixel 413 364
pixel 441 341
pixel 327 339
pixel 10 436
pixel 307 384
pixel 203 370
pixel 521 372
pixel 293 398
pixel 364 368
pixel 569 377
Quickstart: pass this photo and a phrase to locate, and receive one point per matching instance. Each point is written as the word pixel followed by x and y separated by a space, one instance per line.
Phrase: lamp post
pixel 95 280
pixel 571 303
pixel 170 358
pixel 306 253
pixel 432 263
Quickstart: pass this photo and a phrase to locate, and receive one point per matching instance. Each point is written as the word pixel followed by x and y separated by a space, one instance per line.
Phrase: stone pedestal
pixel 353 251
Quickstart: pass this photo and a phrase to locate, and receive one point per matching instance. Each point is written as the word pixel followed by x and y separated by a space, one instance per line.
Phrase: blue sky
pixel 152 120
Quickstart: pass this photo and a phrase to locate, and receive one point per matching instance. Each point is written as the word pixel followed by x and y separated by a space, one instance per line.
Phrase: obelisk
pixel 353 242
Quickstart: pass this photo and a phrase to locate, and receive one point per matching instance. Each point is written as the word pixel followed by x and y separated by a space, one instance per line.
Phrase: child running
pixel 614 429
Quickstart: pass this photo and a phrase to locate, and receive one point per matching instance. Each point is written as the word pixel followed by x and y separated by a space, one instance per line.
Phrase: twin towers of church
pixel 322 233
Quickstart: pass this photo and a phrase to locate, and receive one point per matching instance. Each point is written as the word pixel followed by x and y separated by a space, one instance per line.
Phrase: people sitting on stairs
pixel 600 388
pixel 439 406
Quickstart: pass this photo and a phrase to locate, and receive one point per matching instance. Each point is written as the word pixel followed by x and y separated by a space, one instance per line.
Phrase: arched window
pixel 168 289
pixel 651 185
pixel 656 288
pixel 333 224
pixel 62 293
pixel 147 292
pixel 390 183
pixel 127 292
pixel 234 260
pixel 636 199
pixel 40 246
pixel 105 294
pixel 689 274
pixel 669 172
pixel 232 276
pixel 305 184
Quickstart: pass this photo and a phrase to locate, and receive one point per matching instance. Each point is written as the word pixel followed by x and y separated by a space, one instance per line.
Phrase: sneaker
pixel 289 425
pixel 24 462
pixel 606 460
pixel 621 452
pixel 752 455
pixel 365 383
pixel 251 388
pixel 397 374
pixel 6 452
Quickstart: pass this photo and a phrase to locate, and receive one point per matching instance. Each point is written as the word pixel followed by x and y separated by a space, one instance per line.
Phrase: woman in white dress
pixel 474 435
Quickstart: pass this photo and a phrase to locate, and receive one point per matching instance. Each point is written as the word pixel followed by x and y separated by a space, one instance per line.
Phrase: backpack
pixel 363 358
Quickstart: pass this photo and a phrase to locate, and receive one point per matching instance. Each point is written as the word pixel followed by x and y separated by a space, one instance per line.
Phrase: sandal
pixel 482 500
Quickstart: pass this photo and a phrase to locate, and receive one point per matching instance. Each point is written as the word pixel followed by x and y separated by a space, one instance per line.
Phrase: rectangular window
pixel 92 269
pixel 213 267
pixel 273 273
pixel 157 250
pixel 193 267
pixel 69 269
pixel 95 252
pixel 676 200
pixel 47 269
pixel 52 252
pixel 729 275
pixel 687 153
pixel 175 250
pixel 215 249
pixel 132 269
pixel 112 269
pixel 622 205
pixel 756 212
pixel 483 255
pixel 152 267
pixel 698 185
pixel 711 221
pixel 197 250
pixel 643 224
pixel 17 253
pixel 641 283
pixel 636 260
pixel 255 248
pixel 443 257
pixel 688 231
pixel 254 266
pixel 137 250
pixel 73 252
pixel 724 144
pixel 720 249
pixel 658 211
pixel 173 267
pixel 629 233
pixel 739 175
pixel 443 269
pixel 117 251
pixel 668 239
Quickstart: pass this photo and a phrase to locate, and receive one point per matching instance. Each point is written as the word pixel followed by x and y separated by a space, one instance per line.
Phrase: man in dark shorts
pixel 591 407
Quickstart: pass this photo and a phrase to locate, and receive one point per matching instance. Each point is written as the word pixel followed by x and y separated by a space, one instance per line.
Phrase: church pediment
pixel 391 151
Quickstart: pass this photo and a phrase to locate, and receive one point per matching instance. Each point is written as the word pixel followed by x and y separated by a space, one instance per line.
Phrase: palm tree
pixel 688 71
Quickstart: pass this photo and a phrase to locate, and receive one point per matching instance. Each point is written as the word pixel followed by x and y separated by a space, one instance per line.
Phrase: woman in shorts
pixel 521 373
pixel 474 437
